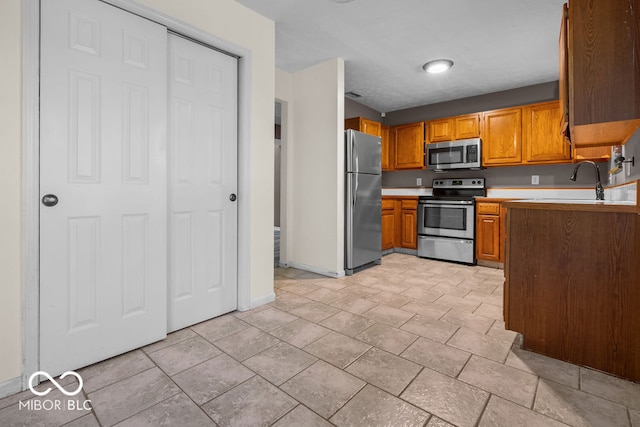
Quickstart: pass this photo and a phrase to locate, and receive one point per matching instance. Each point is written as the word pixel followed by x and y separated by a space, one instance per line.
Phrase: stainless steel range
pixel 446 220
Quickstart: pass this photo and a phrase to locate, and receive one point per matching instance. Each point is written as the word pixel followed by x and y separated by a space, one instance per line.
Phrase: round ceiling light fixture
pixel 437 66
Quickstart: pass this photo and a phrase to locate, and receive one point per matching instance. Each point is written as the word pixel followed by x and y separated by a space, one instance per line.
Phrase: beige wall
pixel 315 159
pixel 10 170
pixel 225 19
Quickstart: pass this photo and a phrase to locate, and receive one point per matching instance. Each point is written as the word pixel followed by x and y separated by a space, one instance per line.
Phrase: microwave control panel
pixel 472 153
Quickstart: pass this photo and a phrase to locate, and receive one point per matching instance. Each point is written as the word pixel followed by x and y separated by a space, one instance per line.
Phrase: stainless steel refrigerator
pixel 363 221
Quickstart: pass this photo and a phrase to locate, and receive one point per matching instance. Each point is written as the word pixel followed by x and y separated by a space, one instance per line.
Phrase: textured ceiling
pixel 495 45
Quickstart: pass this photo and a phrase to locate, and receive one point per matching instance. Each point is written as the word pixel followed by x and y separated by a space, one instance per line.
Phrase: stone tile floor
pixel 412 342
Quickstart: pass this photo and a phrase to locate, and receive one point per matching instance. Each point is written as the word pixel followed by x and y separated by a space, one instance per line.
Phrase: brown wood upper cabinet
pixel 387 152
pixel 408 146
pixel 452 128
pixel 364 125
pixel 502 137
pixel 377 129
pixel 599 70
pixel 542 140
pixel 527 134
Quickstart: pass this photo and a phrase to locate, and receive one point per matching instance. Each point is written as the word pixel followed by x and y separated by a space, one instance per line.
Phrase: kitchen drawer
pixel 388 203
pixel 410 204
pixel 487 208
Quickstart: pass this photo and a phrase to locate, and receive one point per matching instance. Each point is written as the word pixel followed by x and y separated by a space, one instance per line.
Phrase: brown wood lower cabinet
pixel 388 223
pixel 572 286
pixel 399 222
pixel 408 223
pixel 488 242
pixel 490 220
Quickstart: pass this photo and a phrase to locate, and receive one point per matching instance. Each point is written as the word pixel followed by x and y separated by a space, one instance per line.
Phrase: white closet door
pixel 203 180
pixel 103 155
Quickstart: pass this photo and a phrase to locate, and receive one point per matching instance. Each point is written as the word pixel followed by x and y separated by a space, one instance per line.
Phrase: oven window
pixel 450 218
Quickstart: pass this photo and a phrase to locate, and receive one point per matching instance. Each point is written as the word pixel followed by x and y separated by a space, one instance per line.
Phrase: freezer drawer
pixel 445 248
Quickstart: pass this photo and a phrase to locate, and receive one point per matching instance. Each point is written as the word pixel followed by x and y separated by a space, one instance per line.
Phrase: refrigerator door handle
pixel 355 191
pixel 355 156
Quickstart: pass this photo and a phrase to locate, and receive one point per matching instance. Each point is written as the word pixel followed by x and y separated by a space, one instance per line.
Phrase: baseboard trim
pixel 400 251
pixel 490 264
pixel 10 387
pixel 406 251
pixel 312 269
pixel 258 302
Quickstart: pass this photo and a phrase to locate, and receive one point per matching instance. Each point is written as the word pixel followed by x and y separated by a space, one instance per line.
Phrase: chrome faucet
pixel 599 189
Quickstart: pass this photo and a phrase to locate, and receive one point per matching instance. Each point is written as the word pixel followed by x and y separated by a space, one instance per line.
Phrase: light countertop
pixel 574 205
pixel 506 193
pixel 418 191
pixel 622 195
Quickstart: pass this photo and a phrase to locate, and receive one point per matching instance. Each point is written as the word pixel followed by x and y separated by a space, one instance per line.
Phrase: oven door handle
pixel 446 202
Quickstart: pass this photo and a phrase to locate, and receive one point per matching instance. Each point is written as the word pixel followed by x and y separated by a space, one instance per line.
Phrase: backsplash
pixel 624 193
pixel 550 176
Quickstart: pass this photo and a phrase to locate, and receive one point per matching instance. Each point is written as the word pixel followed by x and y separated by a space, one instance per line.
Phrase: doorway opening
pixel 277 182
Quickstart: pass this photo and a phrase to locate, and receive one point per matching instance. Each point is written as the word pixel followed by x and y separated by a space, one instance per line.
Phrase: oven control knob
pixel 473 182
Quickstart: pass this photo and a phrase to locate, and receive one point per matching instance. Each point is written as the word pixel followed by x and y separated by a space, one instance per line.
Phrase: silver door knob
pixel 233 197
pixel 50 200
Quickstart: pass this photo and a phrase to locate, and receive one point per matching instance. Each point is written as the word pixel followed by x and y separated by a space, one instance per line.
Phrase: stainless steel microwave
pixel 462 154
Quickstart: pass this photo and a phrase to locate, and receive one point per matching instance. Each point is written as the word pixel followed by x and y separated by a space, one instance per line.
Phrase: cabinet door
pixel 502 134
pixel 388 229
pixel 409 223
pixel 604 106
pixel 386 149
pixel 467 126
pixel 409 146
pixel 409 230
pixel 563 61
pixel 503 232
pixel 371 127
pixel 488 237
pixel 440 130
pixel 388 223
pixel 364 125
pixel 542 136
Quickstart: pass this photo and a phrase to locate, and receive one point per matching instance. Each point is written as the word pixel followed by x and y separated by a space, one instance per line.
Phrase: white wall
pixel 224 19
pixel 630 172
pixel 315 167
